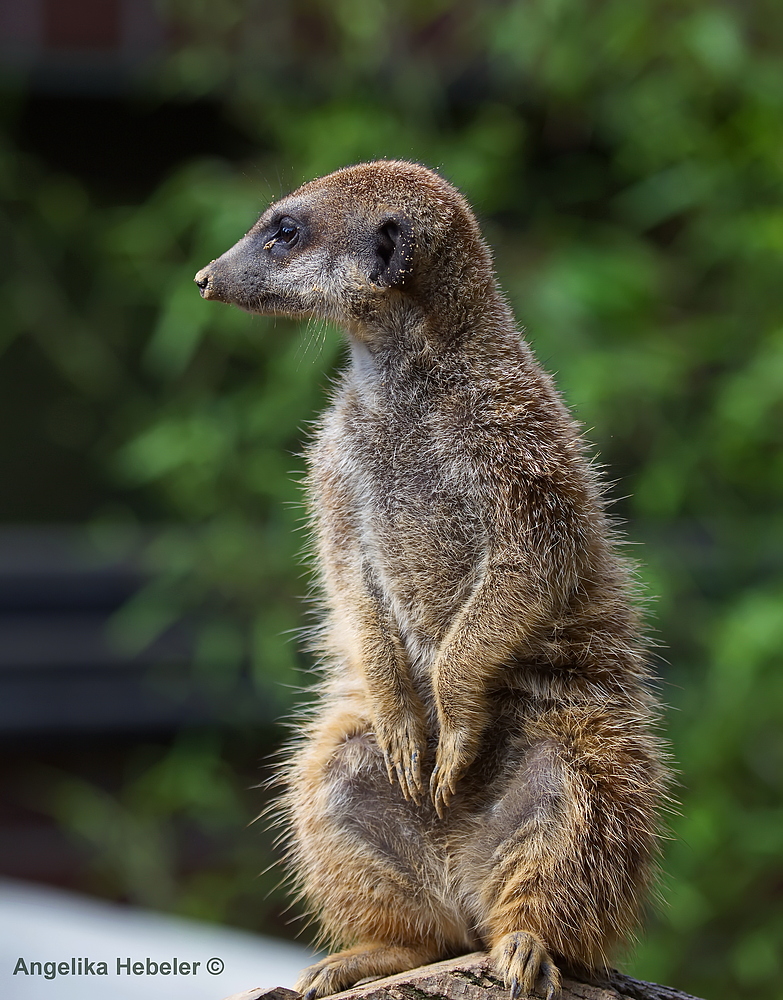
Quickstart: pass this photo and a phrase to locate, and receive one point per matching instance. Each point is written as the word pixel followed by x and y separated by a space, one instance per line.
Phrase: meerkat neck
pixel 402 363
pixel 432 323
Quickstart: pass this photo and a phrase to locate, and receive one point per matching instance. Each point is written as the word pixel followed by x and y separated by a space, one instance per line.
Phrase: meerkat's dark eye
pixel 287 232
pixel 284 236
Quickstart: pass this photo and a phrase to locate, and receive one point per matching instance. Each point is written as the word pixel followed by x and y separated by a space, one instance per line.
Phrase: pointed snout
pixel 216 281
pixel 232 277
pixel 204 281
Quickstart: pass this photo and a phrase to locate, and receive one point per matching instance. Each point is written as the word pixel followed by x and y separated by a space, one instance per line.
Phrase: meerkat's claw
pixel 451 761
pixel 331 975
pixel 435 792
pixel 442 787
pixel 402 759
pixel 409 778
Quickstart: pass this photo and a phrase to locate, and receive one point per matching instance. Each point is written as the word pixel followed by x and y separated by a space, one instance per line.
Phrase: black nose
pixel 202 280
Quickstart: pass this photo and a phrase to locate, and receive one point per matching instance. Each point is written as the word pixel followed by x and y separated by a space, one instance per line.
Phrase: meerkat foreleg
pixel 494 624
pixel 362 637
pixel 397 711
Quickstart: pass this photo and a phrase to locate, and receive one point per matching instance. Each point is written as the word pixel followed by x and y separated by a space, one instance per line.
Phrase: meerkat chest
pixel 405 497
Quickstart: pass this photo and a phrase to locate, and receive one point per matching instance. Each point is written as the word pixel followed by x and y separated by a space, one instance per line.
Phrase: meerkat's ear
pixel 394 246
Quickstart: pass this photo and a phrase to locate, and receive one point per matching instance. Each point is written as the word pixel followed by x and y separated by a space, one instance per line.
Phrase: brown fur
pixel 480 768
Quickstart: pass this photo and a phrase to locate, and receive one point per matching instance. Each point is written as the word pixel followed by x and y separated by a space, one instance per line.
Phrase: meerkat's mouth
pixel 260 303
pixel 272 304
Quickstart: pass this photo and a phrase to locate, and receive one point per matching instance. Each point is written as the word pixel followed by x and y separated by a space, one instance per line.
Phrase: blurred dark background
pixel 626 162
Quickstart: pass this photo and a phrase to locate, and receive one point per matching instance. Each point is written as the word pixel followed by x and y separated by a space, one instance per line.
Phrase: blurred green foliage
pixel 174 835
pixel 626 161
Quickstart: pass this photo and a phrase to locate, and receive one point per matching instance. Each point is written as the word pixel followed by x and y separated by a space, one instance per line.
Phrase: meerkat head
pixel 354 247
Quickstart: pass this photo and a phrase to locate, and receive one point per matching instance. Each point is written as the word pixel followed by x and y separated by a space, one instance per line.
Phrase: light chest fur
pixel 411 517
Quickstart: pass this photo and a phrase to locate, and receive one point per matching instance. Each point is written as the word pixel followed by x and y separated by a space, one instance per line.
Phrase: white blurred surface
pixel 48 925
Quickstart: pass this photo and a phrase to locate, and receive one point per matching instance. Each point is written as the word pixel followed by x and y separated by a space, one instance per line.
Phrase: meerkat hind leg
pixel 369 861
pixel 567 849
pixel 346 968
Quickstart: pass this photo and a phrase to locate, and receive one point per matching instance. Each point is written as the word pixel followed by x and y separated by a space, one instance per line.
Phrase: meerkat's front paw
pixel 451 761
pixel 521 958
pixel 402 745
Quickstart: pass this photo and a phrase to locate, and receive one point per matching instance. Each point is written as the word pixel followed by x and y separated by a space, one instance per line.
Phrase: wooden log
pixel 471 977
pixel 278 993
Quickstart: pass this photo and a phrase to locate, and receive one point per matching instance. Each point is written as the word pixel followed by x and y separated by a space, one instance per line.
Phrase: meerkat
pixel 481 768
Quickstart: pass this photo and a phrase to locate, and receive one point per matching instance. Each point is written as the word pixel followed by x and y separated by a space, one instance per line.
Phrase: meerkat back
pixel 480 767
